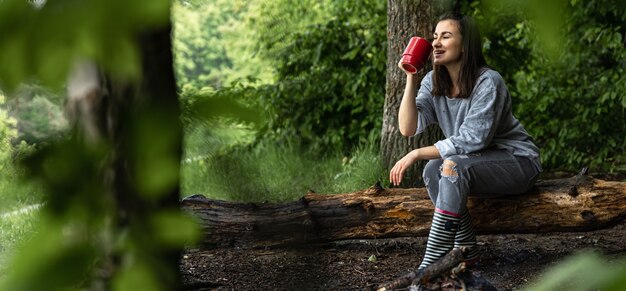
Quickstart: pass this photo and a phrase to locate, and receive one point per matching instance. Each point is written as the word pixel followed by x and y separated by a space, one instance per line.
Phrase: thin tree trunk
pixel 404 19
pixel 140 119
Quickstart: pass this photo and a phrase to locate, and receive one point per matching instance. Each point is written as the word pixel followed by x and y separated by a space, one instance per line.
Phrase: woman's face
pixel 447 44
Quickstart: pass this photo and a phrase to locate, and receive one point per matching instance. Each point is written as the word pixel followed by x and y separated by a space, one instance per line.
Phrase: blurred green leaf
pixel 41 43
pixel 64 261
pixel 152 140
pixel 585 271
pixel 204 106
pixel 136 276
pixel 175 229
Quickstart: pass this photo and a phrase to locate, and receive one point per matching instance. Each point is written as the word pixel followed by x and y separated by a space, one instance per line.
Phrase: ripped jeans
pixel 489 173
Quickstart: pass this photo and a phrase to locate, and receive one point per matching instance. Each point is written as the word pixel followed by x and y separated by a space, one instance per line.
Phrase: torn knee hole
pixel 448 169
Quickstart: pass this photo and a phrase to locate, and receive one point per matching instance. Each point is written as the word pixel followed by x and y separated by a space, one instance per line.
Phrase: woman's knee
pixel 449 170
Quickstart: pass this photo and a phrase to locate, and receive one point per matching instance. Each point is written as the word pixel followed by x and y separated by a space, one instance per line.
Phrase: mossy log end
pixel 578 203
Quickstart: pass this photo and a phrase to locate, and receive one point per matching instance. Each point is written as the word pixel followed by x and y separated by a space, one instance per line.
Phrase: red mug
pixel 416 54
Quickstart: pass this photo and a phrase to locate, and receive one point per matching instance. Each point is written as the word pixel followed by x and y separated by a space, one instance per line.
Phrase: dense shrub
pixel 330 80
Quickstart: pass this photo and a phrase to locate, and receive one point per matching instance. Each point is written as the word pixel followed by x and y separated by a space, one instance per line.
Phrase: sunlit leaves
pixel 7 133
pixel 211 46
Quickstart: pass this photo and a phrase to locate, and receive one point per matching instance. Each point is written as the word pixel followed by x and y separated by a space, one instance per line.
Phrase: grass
pixel 14 229
pixel 16 193
pixel 278 173
pixel 272 172
pixel 15 225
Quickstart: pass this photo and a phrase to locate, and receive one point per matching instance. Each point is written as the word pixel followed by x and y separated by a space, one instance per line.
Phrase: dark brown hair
pixel 472 59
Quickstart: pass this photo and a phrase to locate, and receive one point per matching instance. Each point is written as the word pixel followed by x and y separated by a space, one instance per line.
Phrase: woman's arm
pixel 426 153
pixel 407 115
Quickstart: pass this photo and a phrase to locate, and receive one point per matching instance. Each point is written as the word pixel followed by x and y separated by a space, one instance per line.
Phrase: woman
pixel 486 151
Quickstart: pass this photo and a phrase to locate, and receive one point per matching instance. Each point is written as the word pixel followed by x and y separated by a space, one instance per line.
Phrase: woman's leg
pixel 465 237
pixel 441 237
pixel 488 173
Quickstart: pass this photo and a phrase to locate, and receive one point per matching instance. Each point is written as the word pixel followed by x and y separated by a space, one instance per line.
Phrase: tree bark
pixel 574 204
pixel 404 19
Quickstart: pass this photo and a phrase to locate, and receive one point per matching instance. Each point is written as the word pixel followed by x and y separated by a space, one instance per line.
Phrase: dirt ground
pixel 509 261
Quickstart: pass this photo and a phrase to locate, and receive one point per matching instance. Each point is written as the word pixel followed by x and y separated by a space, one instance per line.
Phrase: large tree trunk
pixel 404 19
pixel 573 204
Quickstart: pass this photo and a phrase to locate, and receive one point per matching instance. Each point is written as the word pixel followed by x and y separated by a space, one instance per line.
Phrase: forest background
pixel 303 85
pixel 316 73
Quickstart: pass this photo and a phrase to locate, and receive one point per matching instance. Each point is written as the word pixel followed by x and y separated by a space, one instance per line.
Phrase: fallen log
pixel 579 203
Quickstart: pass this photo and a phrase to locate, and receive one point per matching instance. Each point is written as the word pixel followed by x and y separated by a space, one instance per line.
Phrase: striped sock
pixel 441 236
pixel 466 237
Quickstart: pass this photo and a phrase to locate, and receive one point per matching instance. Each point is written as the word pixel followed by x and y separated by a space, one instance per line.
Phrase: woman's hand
pixel 397 172
pixel 402 68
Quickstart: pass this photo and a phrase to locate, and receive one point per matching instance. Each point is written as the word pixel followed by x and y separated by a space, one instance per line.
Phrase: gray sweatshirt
pixel 483 120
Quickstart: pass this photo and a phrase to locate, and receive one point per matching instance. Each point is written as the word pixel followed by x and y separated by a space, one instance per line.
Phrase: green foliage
pixel 14 192
pixel 327 59
pixel 215 43
pixel 271 24
pixel 573 103
pixel 327 62
pixel 7 133
pixel 200 57
pixel 330 78
pixel 505 38
pixel 43 43
pixel 565 74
